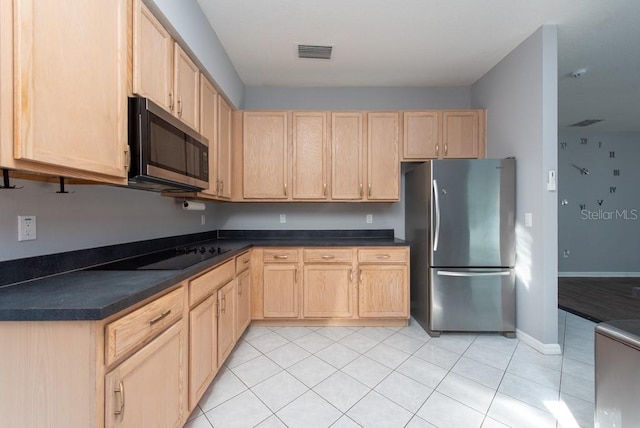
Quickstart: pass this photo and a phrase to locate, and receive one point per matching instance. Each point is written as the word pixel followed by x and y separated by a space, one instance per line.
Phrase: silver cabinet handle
pixel 436 237
pixel 328 257
pixel 179 108
pixel 437 149
pixel 120 391
pixel 171 101
pixel 361 192
pixel 351 275
pixel 281 256
pixel 160 317
pixel 324 190
pixel 472 274
pixel 285 190
pixel 383 256
pixel 369 190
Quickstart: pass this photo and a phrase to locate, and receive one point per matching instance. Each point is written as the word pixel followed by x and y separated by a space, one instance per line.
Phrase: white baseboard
pixel 543 348
pixel 599 274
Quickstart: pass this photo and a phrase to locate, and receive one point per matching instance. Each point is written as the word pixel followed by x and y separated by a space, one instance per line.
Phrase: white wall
pixel 361 98
pixel 90 216
pixel 191 26
pixel 520 93
pixel 603 238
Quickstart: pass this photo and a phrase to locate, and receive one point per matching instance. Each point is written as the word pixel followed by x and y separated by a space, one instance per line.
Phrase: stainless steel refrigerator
pixel 460 221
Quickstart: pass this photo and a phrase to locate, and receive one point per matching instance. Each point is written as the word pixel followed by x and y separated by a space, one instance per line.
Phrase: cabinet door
pixel 309 155
pixel 152 58
pixel 265 146
pixel 383 165
pixel 280 290
pixel 187 88
pixel 224 148
pixel 327 291
pixel 421 135
pixel 346 156
pixel 243 302
pixel 383 291
pixel 148 389
pixel 66 59
pixel 461 134
pixel 226 320
pixel 203 348
pixel 209 128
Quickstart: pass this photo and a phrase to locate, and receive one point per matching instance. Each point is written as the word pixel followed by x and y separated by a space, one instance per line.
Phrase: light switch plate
pixel 26 227
pixel 283 218
pixel 369 218
pixel 528 219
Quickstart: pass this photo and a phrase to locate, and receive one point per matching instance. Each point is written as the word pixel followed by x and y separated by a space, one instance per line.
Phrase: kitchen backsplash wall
pixel 90 216
pixel 598 212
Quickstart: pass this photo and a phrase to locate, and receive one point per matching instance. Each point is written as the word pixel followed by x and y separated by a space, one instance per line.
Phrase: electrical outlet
pixel 283 218
pixel 566 253
pixel 26 227
pixel 203 220
pixel 369 218
pixel 528 219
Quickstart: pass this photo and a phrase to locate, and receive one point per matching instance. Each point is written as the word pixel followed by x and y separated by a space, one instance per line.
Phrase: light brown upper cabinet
pixel 152 59
pixel 421 135
pixel 209 128
pixel 443 134
pixel 383 163
pixel 347 178
pixel 187 88
pixel 162 70
pixel 223 183
pixel 463 134
pixel 45 63
pixel 265 150
pixel 309 155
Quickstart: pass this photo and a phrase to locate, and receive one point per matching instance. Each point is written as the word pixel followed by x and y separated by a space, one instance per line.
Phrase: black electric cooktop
pixel 173 259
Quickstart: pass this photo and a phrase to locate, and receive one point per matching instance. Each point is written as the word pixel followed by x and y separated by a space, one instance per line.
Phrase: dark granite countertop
pixel 97 294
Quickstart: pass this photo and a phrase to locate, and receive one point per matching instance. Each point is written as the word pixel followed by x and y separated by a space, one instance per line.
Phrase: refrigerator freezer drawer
pixel 472 299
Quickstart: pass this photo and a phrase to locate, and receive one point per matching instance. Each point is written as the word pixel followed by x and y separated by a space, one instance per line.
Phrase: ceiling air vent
pixel 314 51
pixel 587 122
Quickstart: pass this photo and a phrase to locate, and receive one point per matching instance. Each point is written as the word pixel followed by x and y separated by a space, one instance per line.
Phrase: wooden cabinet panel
pixel 243 314
pixel 147 390
pixel 209 128
pixel 383 164
pixel 280 290
pixel 461 134
pixel 383 255
pixel 265 151
pixel 327 291
pixel 56 49
pixel 309 155
pixel 152 58
pixel 421 135
pixel 203 348
pixel 226 320
pixel 333 255
pixel 187 88
pixel 132 330
pixel 224 149
pixel 206 283
pixel 243 261
pixel 383 291
pixel 346 156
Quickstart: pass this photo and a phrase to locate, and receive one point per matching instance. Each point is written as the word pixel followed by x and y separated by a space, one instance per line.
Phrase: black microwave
pixel 166 154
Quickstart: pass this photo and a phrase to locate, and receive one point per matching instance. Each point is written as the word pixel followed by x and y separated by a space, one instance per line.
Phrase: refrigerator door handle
pixel 436 237
pixel 466 274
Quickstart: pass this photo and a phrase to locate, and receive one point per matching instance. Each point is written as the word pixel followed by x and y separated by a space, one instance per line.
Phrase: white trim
pixel 543 348
pixel 599 274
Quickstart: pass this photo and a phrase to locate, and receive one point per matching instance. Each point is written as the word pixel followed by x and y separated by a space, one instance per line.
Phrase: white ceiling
pixel 439 43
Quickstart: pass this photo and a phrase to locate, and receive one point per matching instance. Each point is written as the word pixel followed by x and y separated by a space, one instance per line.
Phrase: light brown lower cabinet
pixel 338 285
pixel 327 291
pixel 147 389
pixel 226 320
pixel 203 347
pixel 243 302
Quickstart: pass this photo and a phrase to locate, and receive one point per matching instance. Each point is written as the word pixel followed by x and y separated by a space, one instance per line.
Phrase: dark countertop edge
pixel 242 245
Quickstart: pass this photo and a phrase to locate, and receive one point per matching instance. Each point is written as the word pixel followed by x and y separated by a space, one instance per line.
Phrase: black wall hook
pixel 6 184
pixel 62 186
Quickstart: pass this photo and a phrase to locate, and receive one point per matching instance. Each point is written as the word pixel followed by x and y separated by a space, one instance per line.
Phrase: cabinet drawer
pixel 383 255
pixel 242 262
pixel 281 255
pixel 205 284
pixel 137 328
pixel 327 255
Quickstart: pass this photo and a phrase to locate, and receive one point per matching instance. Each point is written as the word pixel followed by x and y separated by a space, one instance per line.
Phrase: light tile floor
pixel 299 377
